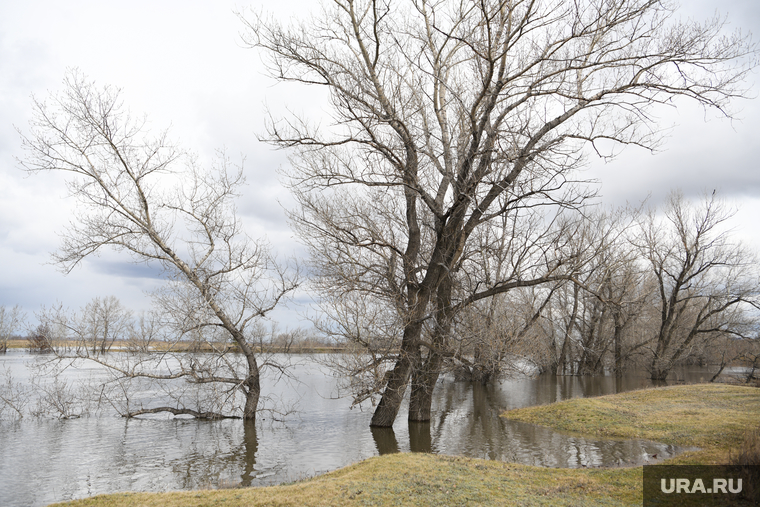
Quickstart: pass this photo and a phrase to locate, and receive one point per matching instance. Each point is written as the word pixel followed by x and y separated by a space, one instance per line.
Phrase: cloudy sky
pixel 183 63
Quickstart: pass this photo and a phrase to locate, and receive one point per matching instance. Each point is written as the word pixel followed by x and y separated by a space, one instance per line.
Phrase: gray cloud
pixel 122 269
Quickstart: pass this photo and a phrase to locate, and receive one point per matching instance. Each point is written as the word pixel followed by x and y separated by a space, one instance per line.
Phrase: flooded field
pixel 43 460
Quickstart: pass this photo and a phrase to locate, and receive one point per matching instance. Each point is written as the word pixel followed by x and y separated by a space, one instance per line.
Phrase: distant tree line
pixel 133 354
pixel 662 288
pixel 104 325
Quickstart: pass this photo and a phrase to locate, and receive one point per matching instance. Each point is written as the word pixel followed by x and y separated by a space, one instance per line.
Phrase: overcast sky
pixel 183 64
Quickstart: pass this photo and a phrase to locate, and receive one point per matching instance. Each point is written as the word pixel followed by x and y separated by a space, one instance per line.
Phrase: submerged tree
pixel 106 321
pixel 447 115
pixel 592 317
pixel 10 321
pixel 706 285
pixel 138 193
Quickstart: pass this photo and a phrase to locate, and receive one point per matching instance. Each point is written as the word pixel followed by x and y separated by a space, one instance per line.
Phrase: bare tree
pixel 14 395
pixel 106 321
pixel 519 263
pixel 11 319
pixel 500 334
pixel 705 282
pixel 605 299
pixel 41 338
pixel 91 331
pixel 449 114
pixel 140 194
pixel 145 332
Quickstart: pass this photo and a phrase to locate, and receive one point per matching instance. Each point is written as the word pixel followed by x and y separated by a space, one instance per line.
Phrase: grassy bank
pixel 712 417
pixel 709 416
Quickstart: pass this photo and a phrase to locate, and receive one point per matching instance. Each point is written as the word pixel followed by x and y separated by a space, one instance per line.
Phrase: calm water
pixel 46 460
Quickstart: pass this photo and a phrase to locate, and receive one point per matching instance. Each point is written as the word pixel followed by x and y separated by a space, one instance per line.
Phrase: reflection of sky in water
pixel 44 460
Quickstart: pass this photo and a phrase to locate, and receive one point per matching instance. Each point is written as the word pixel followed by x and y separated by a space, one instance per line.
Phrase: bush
pixel 40 339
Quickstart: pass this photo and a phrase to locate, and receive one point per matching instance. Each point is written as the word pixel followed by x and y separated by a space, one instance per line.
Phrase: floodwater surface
pixel 48 460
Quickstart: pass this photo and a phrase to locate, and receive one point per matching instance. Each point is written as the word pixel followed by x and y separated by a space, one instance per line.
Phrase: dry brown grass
pixel 713 417
pixel 748 452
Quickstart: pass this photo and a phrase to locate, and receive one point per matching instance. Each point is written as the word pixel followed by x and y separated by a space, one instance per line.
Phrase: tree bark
pixel 398 378
pixel 252 389
pixel 424 380
pixel 618 348
pixel 426 376
pixel 659 369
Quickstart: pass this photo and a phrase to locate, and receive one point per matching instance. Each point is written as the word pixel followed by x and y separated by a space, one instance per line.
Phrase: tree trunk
pixel 618 348
pixel 252 389
pixel 565 352
pixel 659 369
pixel 397 379
pixel 482 375
pixel 425 377
pixel 423 384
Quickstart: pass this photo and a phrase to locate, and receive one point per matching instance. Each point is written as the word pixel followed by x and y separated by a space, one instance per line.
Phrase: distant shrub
pixel 39 340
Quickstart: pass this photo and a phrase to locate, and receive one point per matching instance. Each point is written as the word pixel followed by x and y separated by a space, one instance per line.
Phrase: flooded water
pixel 48 460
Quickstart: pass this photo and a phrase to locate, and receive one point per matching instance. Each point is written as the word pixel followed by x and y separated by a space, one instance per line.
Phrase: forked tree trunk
pixel 398 378
pixel 659 369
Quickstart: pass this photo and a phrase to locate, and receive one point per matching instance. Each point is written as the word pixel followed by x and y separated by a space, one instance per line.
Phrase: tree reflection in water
pixel 251 446
pixel 420 439
pixel 385 440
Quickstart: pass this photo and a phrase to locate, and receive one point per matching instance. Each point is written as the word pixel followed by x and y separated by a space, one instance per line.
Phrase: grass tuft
pixel 748 452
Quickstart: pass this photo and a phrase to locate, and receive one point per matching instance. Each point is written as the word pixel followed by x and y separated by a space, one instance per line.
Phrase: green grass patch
pixel 712 417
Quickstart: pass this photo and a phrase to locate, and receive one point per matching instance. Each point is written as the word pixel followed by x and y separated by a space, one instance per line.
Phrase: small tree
pixel 140 194
pixel 40 339
pixel 145 331
pixel 10 320
pixel 106 321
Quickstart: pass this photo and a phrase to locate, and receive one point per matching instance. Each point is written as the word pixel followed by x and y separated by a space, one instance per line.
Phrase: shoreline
pixel 682 415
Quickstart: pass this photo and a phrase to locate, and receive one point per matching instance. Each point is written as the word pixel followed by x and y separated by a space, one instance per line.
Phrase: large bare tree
pixel 139 194
pixel 448 114
pixel 706 284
